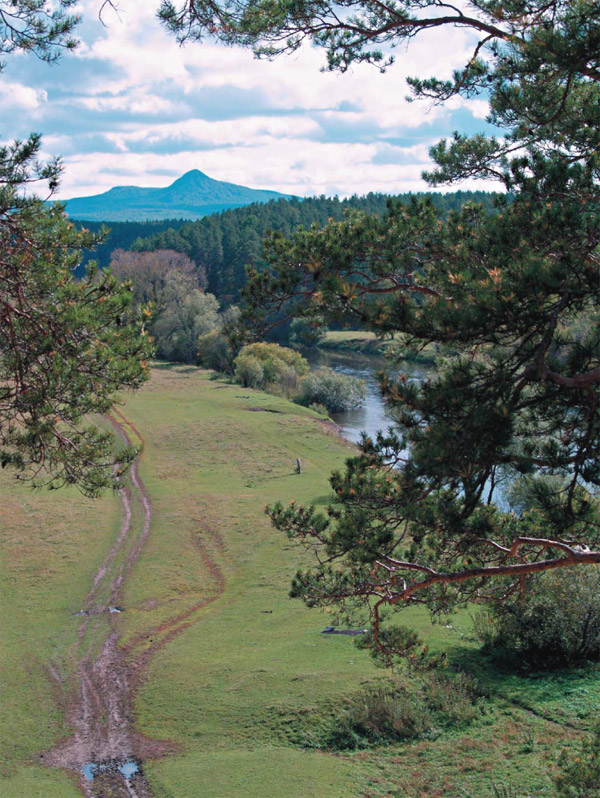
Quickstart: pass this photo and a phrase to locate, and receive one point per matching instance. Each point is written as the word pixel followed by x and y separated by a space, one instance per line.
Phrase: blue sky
pixel 131 107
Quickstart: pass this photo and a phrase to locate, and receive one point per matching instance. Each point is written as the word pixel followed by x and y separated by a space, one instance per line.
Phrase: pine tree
pixel 66 346
pixel 509 296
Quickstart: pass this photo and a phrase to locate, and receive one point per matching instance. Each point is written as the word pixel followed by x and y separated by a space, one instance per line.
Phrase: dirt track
pixel 99 710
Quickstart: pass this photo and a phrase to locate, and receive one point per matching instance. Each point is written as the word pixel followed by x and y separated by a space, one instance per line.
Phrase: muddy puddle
pixel 98 611
pixel 126 768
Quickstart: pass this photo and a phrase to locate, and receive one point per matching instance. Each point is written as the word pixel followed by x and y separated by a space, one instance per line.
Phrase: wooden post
pixel 298 466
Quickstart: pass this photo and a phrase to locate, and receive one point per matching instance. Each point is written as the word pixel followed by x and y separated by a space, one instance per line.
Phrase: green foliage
pixel 121 235
pixel 66 347
pixel 270 366
pixel 579 776
pixel 306 333
pixel 214 351
pixel 378 717
pixel 387 715
pixel 508 297
pixel 249 372
pixel 169 285
pixel 453 698
pixel 555 623
pixel 225 244
pixel 187 314
pixel 336 392
pixel 393 645
pixel 37 26
pixel 148 273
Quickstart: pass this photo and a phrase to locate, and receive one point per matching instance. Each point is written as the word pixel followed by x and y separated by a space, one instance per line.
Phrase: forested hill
pixel 121 235
pixel 224 243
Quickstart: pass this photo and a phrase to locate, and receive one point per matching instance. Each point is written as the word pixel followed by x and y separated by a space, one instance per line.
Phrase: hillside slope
pixel 191 196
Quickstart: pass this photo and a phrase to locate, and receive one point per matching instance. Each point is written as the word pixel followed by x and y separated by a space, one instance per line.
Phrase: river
pixel 373 415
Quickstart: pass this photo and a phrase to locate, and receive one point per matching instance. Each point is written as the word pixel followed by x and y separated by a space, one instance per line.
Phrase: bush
pixel 390 714
pixel 579 776
pixel 187 314
pixel 378 717
pixel 452 697
pixel 306 333
pixel 249 372
pixel 280 368
pixel 214 352
pixel 337 392
pixel 555 624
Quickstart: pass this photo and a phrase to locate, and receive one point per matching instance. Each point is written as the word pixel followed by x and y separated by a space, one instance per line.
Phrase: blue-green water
pixel 373 416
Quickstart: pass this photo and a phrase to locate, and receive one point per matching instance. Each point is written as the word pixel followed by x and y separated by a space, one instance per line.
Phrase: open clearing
pixel 229 676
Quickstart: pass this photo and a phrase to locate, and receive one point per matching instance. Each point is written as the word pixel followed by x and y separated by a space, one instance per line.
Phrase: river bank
pixel 373 415
pixel 363 342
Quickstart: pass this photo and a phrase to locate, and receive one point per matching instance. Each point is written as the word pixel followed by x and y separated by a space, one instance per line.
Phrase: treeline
pixel 121 235
pixel 223 244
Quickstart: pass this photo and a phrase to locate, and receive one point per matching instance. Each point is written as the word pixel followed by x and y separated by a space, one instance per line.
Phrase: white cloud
pixel 16 96
pixel 132 107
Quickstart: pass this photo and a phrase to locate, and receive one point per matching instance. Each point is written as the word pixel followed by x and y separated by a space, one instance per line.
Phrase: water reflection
pixel 374 415
pixel 126 767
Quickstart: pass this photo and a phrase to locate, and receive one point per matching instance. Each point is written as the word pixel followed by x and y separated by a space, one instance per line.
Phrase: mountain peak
pixel 191 196
pixel 190 178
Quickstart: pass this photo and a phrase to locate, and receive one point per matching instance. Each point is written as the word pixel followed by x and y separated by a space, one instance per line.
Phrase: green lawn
pixel 239 682
pixel 367 343
pixel 51 544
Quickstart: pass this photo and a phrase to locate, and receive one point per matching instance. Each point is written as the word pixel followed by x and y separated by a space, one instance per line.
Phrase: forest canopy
pixel 223 245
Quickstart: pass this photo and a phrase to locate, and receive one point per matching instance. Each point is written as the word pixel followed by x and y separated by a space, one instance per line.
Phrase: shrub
pixel 274 357
pixel 556 623
pixel 249 372
pixel 281 368
pixel 452 697
pixel 288 380
pixel 579 776
pixel 390 714
pixel 306 333
pixel 337 392
pixel 377 717
pixel 187 314
pixel 214 352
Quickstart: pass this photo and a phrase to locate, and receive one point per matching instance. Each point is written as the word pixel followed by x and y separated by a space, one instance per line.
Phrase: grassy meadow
pixel 238 679
pixel 366 342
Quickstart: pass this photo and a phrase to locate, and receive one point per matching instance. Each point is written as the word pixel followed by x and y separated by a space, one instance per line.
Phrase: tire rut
pixel 100 710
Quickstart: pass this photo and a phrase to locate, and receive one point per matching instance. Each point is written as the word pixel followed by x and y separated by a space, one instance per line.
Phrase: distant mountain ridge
pixel 191 196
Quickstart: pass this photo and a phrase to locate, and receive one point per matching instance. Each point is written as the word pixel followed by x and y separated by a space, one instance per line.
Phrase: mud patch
pixel 331 630
pixel 98 611
pixel 126 767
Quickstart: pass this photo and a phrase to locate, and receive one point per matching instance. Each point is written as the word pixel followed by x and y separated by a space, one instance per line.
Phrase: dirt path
pixel 100 710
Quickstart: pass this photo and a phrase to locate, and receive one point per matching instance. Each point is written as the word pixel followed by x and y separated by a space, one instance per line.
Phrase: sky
pixel 132 107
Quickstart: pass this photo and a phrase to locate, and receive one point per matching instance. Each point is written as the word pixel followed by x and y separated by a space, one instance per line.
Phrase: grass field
pixel 236 676
pixel 367 343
